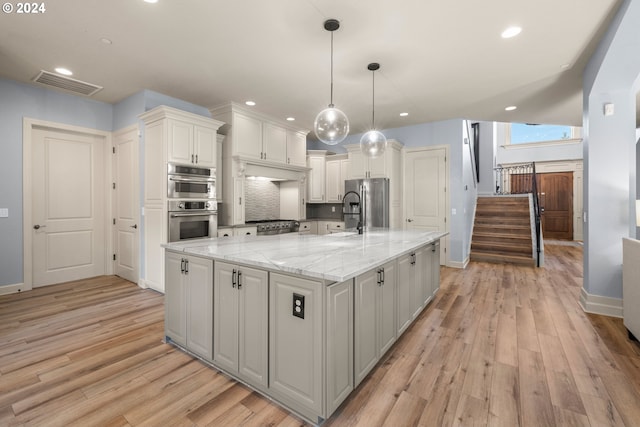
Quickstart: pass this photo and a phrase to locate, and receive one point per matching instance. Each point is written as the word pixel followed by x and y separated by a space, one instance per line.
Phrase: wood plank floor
pixel 501 345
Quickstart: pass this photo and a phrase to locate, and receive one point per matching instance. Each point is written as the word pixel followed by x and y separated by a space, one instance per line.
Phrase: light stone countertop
pixel 334 257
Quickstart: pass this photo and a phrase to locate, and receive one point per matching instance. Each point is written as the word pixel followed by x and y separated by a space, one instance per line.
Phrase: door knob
pixel 409 220
pixel 134 226
pixel 38 226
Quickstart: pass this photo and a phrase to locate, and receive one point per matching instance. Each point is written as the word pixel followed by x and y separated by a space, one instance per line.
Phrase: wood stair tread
pixel 502 258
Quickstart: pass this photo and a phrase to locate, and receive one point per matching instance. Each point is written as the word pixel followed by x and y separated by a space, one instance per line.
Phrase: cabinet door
pixel 405 293
pixel 423 275
pixel 435 267
pixel 339 343
pixel 365 323
pixel 253 292
pixel 247 136
pixel 316 180
pixel 332 181
pixel 225 316
pixel 345 173
pixel 359 164
pixel 205 147
pixel 418 300
pixel 180 141
pixel 175 323
pixel 199 276
pixel 377 166
pixel 387 308
pixel 274 143
pixel 296 148
pixel 295 344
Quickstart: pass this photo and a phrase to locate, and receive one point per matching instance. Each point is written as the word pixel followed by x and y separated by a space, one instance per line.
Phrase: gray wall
pixel 19 101
pixel 611 76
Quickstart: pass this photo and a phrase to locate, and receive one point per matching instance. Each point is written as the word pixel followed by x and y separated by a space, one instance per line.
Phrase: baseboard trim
pixel 597 304
pixel 142 283
pixel 12 289
pixel 457 264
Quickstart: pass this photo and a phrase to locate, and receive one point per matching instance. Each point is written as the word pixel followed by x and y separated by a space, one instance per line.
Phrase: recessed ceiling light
pixel 63 71
pixel 290 119
pixel 511 32
pixel 250 103
pixel 404 114
pixel 106 40
pixel 510 108
pixel 565 66
pixel 151 1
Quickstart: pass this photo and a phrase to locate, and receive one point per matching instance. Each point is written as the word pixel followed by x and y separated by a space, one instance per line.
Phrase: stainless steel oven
pixel 191 219
pixel 189 182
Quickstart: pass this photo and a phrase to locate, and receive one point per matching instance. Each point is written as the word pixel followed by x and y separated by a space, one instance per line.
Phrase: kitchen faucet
pixel 359 226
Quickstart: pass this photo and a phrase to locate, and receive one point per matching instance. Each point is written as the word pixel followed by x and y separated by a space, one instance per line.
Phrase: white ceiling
pixel 439 59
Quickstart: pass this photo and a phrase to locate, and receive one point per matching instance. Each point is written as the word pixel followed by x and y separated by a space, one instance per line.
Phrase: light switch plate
pixel 4 212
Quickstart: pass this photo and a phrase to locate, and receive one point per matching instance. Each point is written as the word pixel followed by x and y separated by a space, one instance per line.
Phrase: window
pixel 528 133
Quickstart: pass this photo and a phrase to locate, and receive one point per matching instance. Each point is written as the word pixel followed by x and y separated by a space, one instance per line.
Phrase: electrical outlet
pixel 333 208
pixel 298 305
pixel 4 212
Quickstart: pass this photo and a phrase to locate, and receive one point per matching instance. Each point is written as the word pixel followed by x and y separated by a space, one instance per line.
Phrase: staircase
pixel 502 231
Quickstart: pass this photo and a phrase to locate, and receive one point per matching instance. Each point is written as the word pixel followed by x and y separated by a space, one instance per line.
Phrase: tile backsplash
pixel 262 199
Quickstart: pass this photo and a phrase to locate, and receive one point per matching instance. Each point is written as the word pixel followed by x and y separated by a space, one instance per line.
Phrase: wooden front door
pixel 556 198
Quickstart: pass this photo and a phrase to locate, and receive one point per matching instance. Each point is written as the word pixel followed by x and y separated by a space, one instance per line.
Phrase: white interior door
pixel 67 190
pixel 126 204
pixel 425 184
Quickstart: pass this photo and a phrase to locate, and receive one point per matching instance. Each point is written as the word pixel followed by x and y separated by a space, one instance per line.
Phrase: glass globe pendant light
pixel 331 125
pixel 373 143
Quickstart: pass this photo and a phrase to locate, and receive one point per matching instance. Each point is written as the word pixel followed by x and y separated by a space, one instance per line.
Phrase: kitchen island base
pixel 312 357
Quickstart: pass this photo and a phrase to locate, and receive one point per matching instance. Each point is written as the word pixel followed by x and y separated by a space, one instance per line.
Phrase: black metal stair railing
pixel 522 179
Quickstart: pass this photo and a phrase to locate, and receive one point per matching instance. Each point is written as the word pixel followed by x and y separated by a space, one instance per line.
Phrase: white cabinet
pixel 329 227
pixel 337 171
pixel 189 303
pixel 297 148
pixel 225 232
pixel 386 166
pixel 245 231
pixel 339 320
pixel 191 144
pixel 274 143
pixel 406 293
pixel 296 366
pixel 241 322
pixel 316 160
pixel 308 227
pixel 255 136
pixel 375 319
pixel 170 135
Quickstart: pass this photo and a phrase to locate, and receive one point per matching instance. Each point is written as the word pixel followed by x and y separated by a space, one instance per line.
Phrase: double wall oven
pixel 192 204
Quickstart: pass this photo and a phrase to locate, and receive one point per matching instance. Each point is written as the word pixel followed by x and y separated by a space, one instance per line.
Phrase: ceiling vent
pixel 66 83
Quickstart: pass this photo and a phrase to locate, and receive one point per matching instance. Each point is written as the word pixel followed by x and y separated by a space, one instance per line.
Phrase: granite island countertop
pixel 334 257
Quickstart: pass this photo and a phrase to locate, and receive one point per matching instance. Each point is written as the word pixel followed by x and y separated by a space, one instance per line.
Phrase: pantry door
pixel 67 198
pixel 425 180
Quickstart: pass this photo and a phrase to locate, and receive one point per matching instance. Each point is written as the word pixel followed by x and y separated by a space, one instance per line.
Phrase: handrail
pixel 522 179
pixel 537 214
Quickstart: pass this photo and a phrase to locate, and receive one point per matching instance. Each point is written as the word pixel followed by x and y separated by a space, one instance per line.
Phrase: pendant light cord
pixel 331 91
pixel 373 101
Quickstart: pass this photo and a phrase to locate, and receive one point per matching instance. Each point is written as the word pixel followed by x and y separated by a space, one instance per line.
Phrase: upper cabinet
pixel 386 166
pixel 190 143
pixel 337 171
pixel 255 137
pixel 383 166
pixel 316 180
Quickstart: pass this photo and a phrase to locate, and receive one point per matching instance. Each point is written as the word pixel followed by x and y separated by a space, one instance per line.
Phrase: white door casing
pixel 126 206
pixel 426 177
pixel 65 171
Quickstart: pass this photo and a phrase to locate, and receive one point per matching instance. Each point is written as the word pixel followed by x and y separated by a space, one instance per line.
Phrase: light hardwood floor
pixel 501 345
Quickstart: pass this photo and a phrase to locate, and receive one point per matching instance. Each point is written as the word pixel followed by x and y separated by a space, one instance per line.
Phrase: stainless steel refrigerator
pixel 369 204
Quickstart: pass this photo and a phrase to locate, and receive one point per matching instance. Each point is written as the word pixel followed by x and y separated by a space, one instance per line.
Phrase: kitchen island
pixel 300 318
